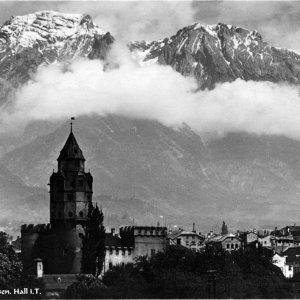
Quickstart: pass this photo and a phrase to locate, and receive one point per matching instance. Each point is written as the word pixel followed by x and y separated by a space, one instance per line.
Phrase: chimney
pixel 112 231
pixel 194 227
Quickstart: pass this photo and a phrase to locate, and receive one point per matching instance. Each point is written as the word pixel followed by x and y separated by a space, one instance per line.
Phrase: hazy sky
pixel 277 21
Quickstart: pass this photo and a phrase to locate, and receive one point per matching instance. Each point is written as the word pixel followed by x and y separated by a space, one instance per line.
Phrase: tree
pixel 224 229
pixel 93 242
pixel 10 264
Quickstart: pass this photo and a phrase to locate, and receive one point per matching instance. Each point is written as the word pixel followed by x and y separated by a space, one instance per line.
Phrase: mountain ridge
pixel 221 53
pixel 242 178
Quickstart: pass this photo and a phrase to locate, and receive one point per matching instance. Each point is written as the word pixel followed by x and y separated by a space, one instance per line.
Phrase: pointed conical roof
pixel 71 149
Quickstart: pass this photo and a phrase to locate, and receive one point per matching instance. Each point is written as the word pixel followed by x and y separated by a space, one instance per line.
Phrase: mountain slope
pixel 220 53
pixel 245 178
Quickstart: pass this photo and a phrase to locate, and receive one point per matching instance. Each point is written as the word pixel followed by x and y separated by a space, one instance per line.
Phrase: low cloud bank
pixel 154 92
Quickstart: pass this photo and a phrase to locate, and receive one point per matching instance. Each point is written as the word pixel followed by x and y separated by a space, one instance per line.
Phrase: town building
pixel 288 261
pixel 132 242
pixel 188 239
pixel 248 237
pixel 57 247
pixel 228 242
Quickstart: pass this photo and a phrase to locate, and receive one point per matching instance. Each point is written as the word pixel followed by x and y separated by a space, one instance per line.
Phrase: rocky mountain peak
pixel 220 53
pixel 46 37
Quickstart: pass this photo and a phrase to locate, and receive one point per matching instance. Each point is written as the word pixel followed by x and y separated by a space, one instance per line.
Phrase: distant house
pixel 188 239
pixel 265 241
pixel 280 262
pixel 248 237
pixel 228 242
pixel 277 243
pixel 288 261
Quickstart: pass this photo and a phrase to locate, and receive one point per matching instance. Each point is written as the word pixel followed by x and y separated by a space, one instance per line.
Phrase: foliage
pixel 10 264
pixel 87 286
pixel 179 272
pixel 93 242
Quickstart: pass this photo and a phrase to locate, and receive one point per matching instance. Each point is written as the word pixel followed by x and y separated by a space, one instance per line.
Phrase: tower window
pixel 80 182
pixel 70 197
pixel 70 214
pixel 81 214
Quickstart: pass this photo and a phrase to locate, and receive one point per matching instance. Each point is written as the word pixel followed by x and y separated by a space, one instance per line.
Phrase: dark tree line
pixel 182 273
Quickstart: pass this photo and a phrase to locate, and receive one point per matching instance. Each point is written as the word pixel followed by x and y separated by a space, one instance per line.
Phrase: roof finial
pixel 72 118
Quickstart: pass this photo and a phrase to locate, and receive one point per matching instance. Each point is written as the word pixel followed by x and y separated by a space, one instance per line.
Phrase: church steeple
pixel 71 149
pixel 71 187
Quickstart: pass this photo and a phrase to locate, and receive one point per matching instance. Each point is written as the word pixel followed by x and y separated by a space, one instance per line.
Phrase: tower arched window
pixel 81 214
pixel 70 214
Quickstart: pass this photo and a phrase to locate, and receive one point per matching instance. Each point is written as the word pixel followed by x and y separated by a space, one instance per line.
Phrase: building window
pixel 227 246
pixel 152 252
pixel 187 243
pixel 236 246
pixel 80 182
pixel 232 246
pixel 110 265
pixel 70 197
pixel 70 214
pixel 117 251
pixel 110 251
pixel 81 214
pixel 178 242
pixel 129 252
pixel 123 251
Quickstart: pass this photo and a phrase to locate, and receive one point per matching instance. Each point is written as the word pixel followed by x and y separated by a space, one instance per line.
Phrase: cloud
pixel 155 92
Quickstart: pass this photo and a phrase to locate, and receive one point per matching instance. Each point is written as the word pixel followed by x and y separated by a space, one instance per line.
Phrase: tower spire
pixel 71 123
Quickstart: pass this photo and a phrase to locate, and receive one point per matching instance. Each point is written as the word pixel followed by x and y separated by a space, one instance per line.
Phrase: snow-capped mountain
pixel 220 53
pixel 236 178
pixel 45 37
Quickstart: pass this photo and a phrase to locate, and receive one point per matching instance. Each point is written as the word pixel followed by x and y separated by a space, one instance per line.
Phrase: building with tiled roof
pixel 228 242
pixel 188 239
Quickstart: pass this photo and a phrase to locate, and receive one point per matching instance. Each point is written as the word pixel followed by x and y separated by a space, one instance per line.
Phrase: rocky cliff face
pixel 46 37
pixel 220 53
